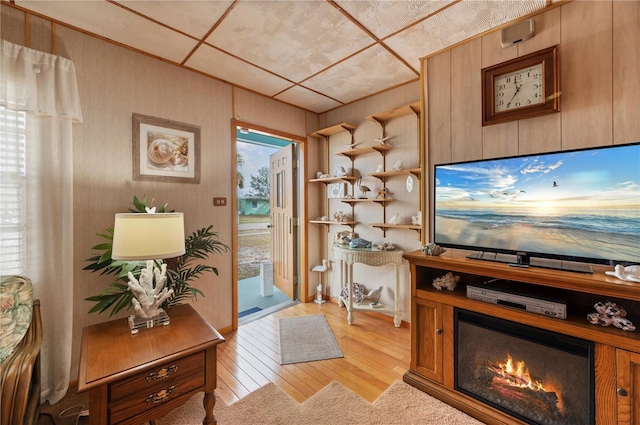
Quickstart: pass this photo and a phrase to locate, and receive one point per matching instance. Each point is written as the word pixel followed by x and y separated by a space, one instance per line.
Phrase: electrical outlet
pixel 219 202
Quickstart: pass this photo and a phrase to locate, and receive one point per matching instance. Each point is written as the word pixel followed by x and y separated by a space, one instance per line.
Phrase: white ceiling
pixel 315 54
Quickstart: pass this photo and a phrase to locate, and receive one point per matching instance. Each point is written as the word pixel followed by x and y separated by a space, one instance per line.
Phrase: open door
pixel 283 226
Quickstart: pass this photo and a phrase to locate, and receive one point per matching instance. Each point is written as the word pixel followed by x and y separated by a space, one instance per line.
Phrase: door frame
pixel 302 208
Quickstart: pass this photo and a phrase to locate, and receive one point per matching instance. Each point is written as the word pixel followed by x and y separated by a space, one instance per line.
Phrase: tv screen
pixel 581 205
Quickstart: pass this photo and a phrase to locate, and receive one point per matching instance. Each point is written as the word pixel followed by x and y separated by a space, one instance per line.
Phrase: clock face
pixel 519 89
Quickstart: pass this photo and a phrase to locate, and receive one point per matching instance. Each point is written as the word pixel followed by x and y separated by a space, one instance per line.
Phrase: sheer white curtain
pixel 44 87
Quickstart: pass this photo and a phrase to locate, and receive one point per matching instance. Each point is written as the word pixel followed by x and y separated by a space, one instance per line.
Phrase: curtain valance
pixel 37 82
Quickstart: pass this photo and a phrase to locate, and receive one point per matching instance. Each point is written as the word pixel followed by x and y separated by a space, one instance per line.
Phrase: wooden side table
pixel 133 379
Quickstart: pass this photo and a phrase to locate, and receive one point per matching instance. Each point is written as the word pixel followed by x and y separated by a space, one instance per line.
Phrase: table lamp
pixel 150 236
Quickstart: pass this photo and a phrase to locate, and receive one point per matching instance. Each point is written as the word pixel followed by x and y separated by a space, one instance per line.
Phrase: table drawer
pixel 156 379
pixel 154 387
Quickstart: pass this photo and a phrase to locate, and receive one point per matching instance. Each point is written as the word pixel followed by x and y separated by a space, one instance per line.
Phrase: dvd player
pixel 512 295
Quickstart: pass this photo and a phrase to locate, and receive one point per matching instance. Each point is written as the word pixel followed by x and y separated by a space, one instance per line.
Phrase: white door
pixel 283 229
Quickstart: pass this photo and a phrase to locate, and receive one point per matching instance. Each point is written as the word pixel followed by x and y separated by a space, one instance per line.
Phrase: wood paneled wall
pixel 599 81
pixel 113 83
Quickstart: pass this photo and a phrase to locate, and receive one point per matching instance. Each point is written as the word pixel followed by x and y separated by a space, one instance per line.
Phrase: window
pixel 12 191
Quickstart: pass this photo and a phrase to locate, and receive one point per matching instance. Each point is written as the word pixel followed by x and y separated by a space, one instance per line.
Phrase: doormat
pixel 249 311
pixel 307 339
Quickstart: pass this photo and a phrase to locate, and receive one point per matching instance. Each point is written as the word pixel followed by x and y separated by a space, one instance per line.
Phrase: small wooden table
pixel 371 257
pixel 133 379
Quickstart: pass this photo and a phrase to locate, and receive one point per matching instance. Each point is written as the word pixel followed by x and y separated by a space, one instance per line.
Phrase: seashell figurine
pixel 609 313
pixel 396 219
pixel 433 249
pixel 161 151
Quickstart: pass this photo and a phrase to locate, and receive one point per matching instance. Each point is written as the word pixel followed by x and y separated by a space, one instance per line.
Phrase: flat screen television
pixel 558 210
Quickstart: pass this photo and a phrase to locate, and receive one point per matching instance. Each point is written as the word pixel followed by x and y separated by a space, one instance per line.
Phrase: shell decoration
pixel 161 151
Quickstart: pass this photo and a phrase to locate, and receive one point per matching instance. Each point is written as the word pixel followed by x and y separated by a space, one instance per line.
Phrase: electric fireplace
pixel 535 375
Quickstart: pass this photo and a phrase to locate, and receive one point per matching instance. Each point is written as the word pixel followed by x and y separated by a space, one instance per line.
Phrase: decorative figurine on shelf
pixel 382 140
pixel 343 238
pixel 448 281
pixel 373 297
pixel 363 189
pixel 385 246
pixel 358 292
pixel 358 243
pixel 380 168
pixel 433 249
pixel 396 219
pixel 629 273
pixel 381 193
pixel 416 220
pixel 339 216
pixel 340 171
pixel 399 165
pixel 609 313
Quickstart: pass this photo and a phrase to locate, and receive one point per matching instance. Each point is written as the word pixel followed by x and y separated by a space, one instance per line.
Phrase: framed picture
pixel 336 190
pixel 165 150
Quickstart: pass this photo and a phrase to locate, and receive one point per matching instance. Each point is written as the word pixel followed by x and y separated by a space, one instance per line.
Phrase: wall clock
pixel 523 87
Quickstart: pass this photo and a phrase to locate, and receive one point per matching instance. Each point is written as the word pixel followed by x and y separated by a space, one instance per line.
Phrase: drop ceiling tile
pixel 370 71
pixel 114 23
pixel 384 17
pixel 195 18
pixel 293 38
pixel 228 68
pixel 307 99
pixel 455 24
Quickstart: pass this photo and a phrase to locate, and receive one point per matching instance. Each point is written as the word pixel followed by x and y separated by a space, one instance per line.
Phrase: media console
pixel 616 352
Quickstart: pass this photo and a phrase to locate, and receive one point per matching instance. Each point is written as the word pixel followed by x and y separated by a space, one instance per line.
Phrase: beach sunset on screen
pixel 578 204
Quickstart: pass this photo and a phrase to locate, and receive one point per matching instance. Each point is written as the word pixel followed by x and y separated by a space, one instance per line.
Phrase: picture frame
pixel 165 150
pixel 336 190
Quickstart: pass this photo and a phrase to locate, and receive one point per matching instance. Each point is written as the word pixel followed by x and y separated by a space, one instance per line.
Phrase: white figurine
pixel 399 165
pixel 416 220
pixel 629 273
pixel 380 168
pixel 396 219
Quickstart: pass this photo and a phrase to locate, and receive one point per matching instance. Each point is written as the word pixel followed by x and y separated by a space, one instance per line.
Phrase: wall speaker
pixel 516 33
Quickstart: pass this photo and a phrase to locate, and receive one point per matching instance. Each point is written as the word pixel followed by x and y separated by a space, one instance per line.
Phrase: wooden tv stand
pixel 617 352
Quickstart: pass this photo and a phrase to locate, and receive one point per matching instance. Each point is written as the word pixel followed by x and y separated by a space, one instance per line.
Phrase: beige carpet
pixel 401 404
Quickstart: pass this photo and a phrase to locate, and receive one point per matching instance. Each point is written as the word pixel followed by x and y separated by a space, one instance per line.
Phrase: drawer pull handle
pixel 161 395
pixel 622 392
pixel 161 374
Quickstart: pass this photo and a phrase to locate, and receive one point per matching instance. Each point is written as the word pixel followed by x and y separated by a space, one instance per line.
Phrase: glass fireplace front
pixel 537 376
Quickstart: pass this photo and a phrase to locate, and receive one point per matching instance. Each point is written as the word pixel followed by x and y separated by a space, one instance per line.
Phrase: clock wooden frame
pixel 551 90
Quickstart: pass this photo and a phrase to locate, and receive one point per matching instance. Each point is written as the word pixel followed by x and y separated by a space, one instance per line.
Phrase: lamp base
pixel 136 322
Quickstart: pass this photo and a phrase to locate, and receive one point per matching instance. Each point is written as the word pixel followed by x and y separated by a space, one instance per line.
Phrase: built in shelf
pixel 395 226
pixel 352 153
pixel 412 108
pixel 358 200
pixel 347 179
pixel 382 175
pixel 335 129
pixel 344 223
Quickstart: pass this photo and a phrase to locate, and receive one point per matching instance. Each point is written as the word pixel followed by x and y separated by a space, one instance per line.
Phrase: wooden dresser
pixel 133 379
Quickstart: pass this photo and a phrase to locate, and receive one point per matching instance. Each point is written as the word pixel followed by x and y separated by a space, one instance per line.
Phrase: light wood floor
pixel 375 355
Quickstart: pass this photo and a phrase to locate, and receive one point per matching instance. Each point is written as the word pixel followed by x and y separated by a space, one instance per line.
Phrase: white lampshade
pixel 148 236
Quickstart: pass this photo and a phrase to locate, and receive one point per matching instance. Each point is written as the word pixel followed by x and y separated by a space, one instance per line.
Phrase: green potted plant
pixel 181 271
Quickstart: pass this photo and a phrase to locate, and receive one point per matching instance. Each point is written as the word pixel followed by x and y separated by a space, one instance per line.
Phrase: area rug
pixel 400 404
pixel 307 339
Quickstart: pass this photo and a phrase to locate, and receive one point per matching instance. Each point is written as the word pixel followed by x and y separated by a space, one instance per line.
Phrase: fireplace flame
pixel 516 374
